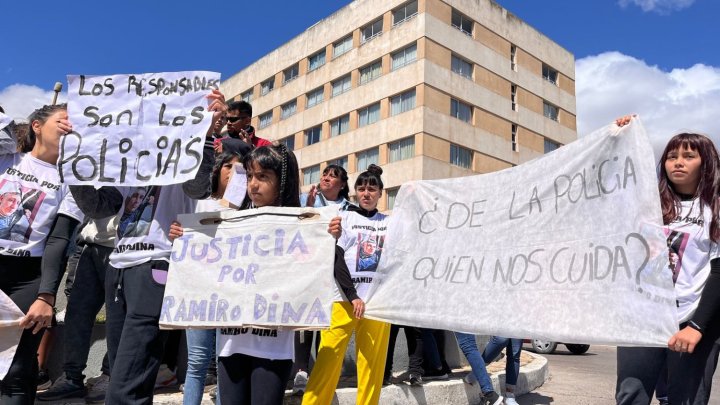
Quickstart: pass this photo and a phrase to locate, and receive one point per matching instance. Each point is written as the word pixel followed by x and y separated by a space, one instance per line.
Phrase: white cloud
pixel 19 100
pixel 658 6
pixel 611 84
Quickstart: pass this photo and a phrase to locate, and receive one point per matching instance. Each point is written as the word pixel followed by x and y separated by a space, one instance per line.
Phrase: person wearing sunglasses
pixel 238 124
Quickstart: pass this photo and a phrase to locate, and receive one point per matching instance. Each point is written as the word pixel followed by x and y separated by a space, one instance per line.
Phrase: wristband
pixel 45 300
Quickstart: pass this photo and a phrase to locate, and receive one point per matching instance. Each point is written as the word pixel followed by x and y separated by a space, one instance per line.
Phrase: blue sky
pixel 628 40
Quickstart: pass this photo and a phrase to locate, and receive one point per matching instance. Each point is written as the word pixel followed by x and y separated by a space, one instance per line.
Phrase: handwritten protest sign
pixel 144 129
pixel 266 267
pixel 10 332
pixel 568 247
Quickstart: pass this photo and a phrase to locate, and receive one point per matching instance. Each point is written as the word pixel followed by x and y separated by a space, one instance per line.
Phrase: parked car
pixel 547 347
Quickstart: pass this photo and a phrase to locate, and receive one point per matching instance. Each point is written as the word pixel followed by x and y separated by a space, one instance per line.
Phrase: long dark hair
pixel 340 173
pixel 220 161
pixel 708 187
pixel 284 164
pixel 41 114
pixel 370 177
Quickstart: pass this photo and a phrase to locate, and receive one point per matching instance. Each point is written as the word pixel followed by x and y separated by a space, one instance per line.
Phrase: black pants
pixel 133 299
pixel 303 349
pixel 415 346
pixel 638 370
pixel 244 379
pixel 20 280
pixel 86 299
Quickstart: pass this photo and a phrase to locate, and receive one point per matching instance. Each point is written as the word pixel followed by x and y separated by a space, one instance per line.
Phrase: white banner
pixel 10 332
pixel 568 248
pixel 267 267
pixel 132 130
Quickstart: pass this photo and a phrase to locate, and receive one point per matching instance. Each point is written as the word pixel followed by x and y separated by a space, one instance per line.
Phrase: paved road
pixel 587 379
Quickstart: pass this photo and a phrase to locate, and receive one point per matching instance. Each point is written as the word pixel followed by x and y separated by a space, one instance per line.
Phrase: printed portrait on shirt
pixel 676 242
pixel 369 251
pixel 18 207
pixel 138 212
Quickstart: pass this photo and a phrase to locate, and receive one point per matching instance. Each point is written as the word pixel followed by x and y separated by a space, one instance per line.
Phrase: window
pixel 550 74
pixel 391 196
pixel 288 109
pixel 550 111
pixel 342 46
pixel 513 97
pixel 366 158
pixel 368 115
pixel 289 142
pixel 315 97
pixel 316 60
pixel 311 175
pixel 462 22
pixel 267 86
pixel 404 13
pixel 265 119
pixel 460 110
pixel 404 56
pixel 461 67
pixel 513 57
pixel 514 138
pixel 402 149
pixel 550 146
pixel 402 102
pixel 370 72
pixel 371 30
pixel 313 135
pixel 341 85
pixel 247 96
pixel 341 161
pixel 340 125
pixel 291 73
pixel 460 156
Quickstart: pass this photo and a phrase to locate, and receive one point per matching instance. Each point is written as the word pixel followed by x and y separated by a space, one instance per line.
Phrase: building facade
pixel 426 89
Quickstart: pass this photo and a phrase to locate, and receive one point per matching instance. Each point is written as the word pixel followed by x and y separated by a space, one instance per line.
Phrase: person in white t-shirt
pixel 689 176
pixel 30 259
pixel 363 240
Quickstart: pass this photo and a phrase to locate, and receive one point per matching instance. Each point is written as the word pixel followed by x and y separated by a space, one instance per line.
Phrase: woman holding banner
pixel 31 256
pixel 135 281
pixel 362 240
pixel 689 177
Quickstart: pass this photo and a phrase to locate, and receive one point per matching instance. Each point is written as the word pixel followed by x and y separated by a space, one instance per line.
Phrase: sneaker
pixel 470 378
pixel 165 378
pixel 415 379
pixel 492 398
pixel 97 387
pixel 387 380
pixel 435 375
pixel 43 381
pixel 213 392
pixel 63 388
pixel 511 401
pixel 300 382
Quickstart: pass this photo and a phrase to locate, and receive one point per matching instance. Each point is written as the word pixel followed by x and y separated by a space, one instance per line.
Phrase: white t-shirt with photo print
pixel 31 197
pixel 690 253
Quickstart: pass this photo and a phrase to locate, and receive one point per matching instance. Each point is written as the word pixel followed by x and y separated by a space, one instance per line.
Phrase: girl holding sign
pixel 362 240
pixel 37 219
pixel 689 180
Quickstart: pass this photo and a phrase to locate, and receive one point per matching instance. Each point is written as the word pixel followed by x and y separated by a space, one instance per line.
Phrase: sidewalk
pixel 533 373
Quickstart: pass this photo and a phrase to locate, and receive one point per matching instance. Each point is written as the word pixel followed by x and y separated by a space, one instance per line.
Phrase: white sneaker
pixel 300 383
pixel 510 400
pixel 165 377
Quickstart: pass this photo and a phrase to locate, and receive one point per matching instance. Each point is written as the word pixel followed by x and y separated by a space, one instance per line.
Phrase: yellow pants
pixel 371 345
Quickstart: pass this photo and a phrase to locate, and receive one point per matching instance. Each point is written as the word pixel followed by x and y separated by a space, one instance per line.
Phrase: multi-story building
pixel 427 89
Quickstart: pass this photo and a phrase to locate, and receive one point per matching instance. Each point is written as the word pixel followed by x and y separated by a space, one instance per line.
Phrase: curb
pixel 449 392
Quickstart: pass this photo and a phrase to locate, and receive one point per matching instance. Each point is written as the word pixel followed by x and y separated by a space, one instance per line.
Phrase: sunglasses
pixel 233 119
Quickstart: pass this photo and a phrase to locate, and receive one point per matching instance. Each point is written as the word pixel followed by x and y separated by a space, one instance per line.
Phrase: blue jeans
pixel 472 354
pixel 512 363
pixel 201 350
